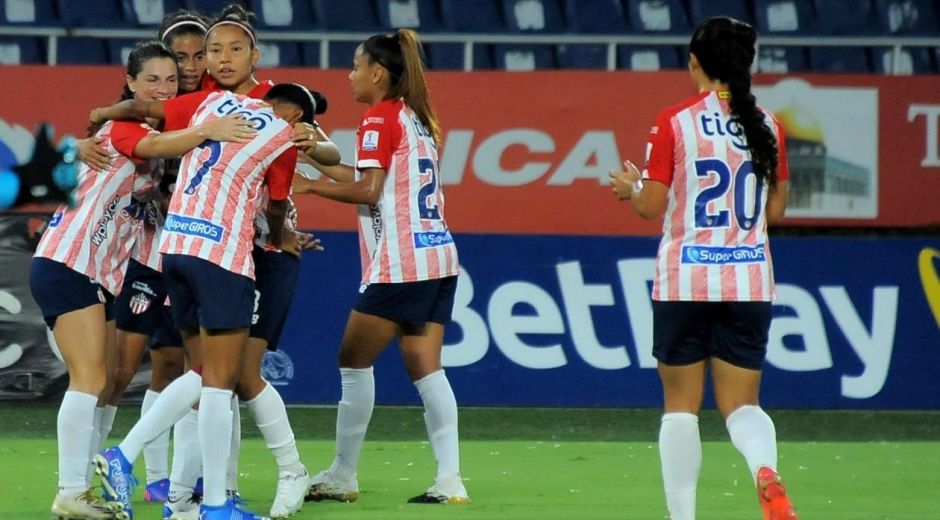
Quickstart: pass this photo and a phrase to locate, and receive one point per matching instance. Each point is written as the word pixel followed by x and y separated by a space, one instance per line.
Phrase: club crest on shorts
pixel 139 303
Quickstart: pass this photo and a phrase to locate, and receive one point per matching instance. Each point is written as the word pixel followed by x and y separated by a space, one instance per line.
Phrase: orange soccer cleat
pixel 773 496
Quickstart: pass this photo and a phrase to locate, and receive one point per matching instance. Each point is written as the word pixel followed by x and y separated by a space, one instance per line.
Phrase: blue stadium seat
pixel 289 15
pixel 345 15
pixel 449 56
pixel 845 17
pixel 582 56
pixel 595 16
pixel 279 54
pixel 839 59
pixel 784 16
pixel 781 59
pixel 341 54
pixel 653 57
pixel 918 17
pixel 533 16
pixel 29 12
pixel 422 15
pixel 148 13
pixel 524 57
pixel 119 49
pixel 104 13
pixel 17 51
pixel 700 10
pixel 211 7
pixel 914 60
pixel 89 51
pixel 479 16
pixel 310 51
pixel 658 16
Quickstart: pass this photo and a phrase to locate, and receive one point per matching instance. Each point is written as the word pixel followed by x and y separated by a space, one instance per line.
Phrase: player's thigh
pixel 683 386
pixel 734 386
pixel 421 351
pixel 167 364
pixel 365 337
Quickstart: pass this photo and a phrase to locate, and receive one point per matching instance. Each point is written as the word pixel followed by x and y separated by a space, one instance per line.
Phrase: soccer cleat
pixel 117 477
pixel 157 491
pixel 448 490
pixel 182 506
pixel 323 486
pixel 773 496
pixel 289 497
pixel 198 488
pixel 81 506
pixel 227 511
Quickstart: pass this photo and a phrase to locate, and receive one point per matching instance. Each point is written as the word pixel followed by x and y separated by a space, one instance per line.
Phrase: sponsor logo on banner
pixel 277 367
pixel 929 278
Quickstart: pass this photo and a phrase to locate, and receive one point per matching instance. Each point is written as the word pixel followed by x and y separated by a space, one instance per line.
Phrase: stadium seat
pixel 148 13
pixel 211 7
pixel 310 52
pixel 345 15
pixel 845 17
pixel 291 15
pixel 341 54
pixel 916 17
pixel 422 15
pixel 784 16
pixel 29 12
pixel 658 16
pixel 533 16
pixel 18 51
pixel 279 54
pixel 595 16
pixel 839 59
pixel 585 56
pixel 449 56
pixel 700 10
pixel 104 13
pixel 524 57
pixel 911 61
pixel 479 16
pixel 119 50
pixel 89 51
pixel 781 59
pixel 647 58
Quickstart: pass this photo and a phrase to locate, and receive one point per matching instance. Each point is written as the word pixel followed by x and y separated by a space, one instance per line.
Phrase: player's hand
pixel 91 152
pixel 305 137
pixel 96 117
pixel 308 241
pixel 623 183
pixel 230 128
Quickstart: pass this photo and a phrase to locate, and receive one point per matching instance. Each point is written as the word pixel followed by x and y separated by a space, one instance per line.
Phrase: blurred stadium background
pixel 539 99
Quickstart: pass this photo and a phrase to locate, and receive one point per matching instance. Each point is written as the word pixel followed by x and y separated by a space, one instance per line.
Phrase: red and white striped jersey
pixel 714 245
pixel 263 231
pixel 403 238
pixel 218 192
pixel 96 236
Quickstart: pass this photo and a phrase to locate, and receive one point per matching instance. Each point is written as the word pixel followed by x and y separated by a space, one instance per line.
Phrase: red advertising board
pixel 529 152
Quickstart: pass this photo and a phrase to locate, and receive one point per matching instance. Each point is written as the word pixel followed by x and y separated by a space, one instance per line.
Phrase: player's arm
pixel 91 152
pixel 366 190
pixel 649 198
pixel 278 177
pixel 315 144
pixel 127 110
pixel 167 145
pixel 777 202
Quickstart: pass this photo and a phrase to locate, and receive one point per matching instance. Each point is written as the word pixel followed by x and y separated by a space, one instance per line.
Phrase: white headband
pixel 177 25
pixel 237 24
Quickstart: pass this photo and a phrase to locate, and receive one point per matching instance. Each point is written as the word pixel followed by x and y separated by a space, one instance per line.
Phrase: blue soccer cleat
pixel 157 491
pixel 117 477
pixel 198 488
pixel 227 511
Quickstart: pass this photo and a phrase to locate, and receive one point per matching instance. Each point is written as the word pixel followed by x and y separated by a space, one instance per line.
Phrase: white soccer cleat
pixel 289 497
pixel 82 506
pixel 448 490
pixel 323 486
pixel 181 506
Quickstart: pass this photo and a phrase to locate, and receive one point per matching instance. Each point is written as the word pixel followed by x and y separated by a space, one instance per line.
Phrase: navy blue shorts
pixel 689 332
pixel 139 306
pixel 275 280
pixel 410 303
pixel 166 335
pixel 58 289
pixel 204 294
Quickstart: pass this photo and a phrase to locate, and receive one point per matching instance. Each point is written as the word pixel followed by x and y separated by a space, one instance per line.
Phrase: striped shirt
pixel 96 236
pixel 219 189
pixel 714 245
pixel 403 237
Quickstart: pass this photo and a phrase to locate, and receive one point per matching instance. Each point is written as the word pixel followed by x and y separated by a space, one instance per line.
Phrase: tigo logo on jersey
pixel 370 141
pixel 194 226
pixel 722 255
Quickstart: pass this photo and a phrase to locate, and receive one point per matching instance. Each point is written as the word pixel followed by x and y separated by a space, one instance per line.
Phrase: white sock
pixel 215 441
pixel 104 427
pixel 440 417
pixel 680 452
pixel 352 419
pixel 75 426
pixel 95 444
pixel 175 400
pixel 187 458
pixel 753 434
pixel 231 470
pixel 155 453
pixel 270 415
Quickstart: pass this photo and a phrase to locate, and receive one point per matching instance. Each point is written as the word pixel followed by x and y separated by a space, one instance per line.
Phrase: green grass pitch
pixel 547 464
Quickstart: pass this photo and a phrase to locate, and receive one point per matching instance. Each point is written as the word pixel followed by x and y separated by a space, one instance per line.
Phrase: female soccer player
pixel 409 262
pixel 717 169
pixel 79 262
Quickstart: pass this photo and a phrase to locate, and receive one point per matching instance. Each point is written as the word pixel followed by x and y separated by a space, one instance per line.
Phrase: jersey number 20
pixel 427 195
pixel 745 216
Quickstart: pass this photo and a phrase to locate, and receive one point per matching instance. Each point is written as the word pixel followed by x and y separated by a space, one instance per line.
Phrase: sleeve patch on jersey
pixel 373 120
pixel 370 141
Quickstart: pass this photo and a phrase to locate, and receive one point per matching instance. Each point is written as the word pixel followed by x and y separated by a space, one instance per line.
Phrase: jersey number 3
pixel 746 216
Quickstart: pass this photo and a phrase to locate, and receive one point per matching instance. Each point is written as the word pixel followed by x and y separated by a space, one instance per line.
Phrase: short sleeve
pixel 280 174
pixel 125 135
pixel 178 111
pixel 374 141
pixel 660 150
